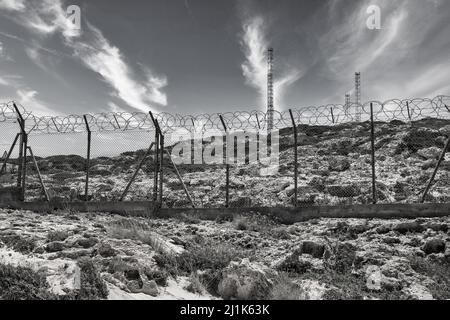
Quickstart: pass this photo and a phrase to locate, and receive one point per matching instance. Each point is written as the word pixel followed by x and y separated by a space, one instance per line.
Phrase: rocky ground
pixel 334 168
pixel 66 255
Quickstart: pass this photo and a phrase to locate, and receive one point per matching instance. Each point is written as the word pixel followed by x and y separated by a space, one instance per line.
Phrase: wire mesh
pixel 335 161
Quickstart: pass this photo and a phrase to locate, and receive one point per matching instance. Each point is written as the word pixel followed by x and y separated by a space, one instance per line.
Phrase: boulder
pixel 431 153
pixel 434 246
pixel 106 251
pixel 54 246
pixel 412 227
pixel 339 164
pixel 86 243
pixel 245 280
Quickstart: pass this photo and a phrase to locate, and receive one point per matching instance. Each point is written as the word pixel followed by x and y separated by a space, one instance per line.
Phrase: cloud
pixel 28 98
pixel 93 49
pixel 107 60
pixel 12 5
pixel 254 45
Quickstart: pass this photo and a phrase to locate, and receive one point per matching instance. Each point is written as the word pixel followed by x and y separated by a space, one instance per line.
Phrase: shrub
pixel 92 285
pixel 439 272
pixel 19 283
pixel 284 289
pixel 18 243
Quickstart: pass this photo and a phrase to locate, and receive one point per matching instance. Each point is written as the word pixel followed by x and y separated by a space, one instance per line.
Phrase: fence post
pixel 41 181
pixel 295 159
pixel 409 112
pixel 372 138
pixel 433 176
pixel 21 182
pixel 332 115
pixel 127 188
pixel 227 186
pixel 157 157
pixel 88 158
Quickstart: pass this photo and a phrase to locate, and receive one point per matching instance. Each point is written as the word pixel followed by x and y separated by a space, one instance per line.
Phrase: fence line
pixel 332 114
pixel 371 114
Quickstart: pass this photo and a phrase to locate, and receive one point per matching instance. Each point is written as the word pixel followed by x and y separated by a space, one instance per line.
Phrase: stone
pixel 431 153
pixel 150 288
pixel 86 243
pixel 412 227
pixel 54 246
pixel 339 164
pixel 245 280
pixel 106 251
pixel 314 249
pixel 344 191
pixel 434 246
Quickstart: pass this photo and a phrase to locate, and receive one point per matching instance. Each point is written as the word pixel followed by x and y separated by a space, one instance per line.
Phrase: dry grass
pixel 285 289
pixel 135 230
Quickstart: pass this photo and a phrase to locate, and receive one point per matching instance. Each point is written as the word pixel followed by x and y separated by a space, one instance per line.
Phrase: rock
pixel 86 243
pixel 344 191
pixel 57 236
pixel 417 139
pixel 405 227
pixel 339 164
pixel 106 251
pixel 434 246
pixel 314 249
pixel 132 274
pixel 150 288
pixel 290 191
pixel 245 280
pixel 39 250
pixel 383 229
pixel 418 292
pixel 438 227
pixel 431 153
pixel 54 246
pixel 377 281
pixel 391 240
pixel 100 170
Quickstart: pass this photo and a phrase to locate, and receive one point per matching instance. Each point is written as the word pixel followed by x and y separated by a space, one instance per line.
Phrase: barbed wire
pixel 332 114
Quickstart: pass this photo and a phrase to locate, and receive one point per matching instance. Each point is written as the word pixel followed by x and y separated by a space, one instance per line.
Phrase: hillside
pixel 334 168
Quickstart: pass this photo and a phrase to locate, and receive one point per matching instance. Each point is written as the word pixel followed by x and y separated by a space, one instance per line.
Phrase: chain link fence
pixel 395 154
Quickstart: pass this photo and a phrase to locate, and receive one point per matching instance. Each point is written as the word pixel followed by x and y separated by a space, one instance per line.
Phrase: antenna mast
pixel 270 107
pixel 358 96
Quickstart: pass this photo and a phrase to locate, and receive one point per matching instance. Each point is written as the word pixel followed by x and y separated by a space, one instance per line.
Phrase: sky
pixel 208 56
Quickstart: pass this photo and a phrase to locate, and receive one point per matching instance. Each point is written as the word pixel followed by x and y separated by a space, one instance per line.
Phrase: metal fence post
pixel 433 176
pixel 161 169
pixel 295 158
pixel 21 180
pixel 332 115
pixel 88 158
pixel 409 112
pixel 372 138
pixel 157 157
pixel 227 186
pixel 41 181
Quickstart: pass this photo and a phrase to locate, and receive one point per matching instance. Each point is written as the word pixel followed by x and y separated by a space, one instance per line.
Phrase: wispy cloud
pixel 29 99
pixel 383 56
pixel 93 49
pixel 254 45
pixel 13 5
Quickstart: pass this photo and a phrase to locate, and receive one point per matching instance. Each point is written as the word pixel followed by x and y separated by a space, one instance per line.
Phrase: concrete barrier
pixel 9 194
pixel 283 215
